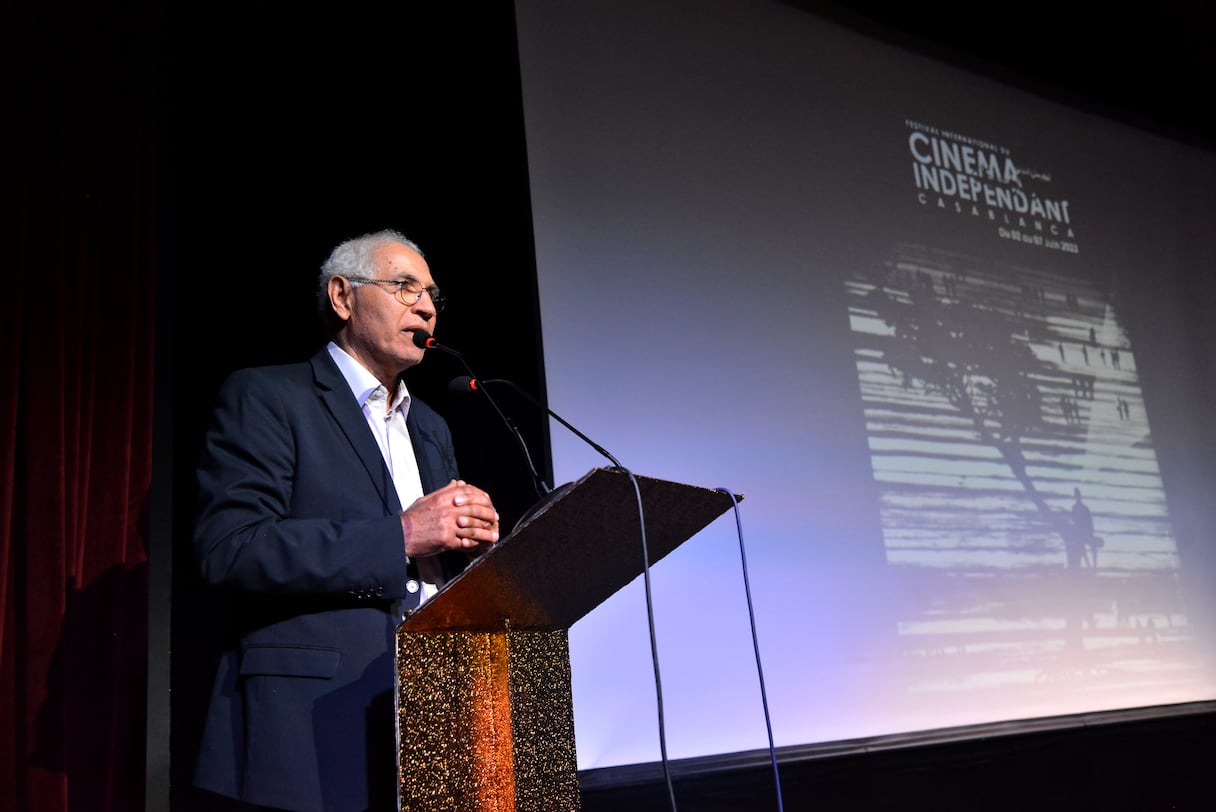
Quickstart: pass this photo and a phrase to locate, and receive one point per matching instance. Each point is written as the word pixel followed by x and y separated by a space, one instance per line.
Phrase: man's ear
pixel 341 291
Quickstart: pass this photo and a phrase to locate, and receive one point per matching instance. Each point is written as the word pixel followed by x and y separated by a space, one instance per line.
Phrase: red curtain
pixel 76 344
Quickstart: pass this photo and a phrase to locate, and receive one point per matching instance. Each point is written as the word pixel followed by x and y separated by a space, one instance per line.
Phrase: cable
pixel 751 616
pixel 654 646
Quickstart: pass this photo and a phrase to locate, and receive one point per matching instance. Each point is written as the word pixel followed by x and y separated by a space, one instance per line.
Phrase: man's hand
pixel 458 516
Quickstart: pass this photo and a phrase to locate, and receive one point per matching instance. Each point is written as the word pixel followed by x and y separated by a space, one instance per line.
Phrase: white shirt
pixel 387 425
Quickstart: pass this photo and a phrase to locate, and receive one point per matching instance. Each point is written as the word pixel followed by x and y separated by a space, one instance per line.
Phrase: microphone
pixel 426 341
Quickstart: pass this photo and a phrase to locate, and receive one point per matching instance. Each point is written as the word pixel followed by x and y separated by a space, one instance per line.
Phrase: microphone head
pixel 423 339
pixel 462 385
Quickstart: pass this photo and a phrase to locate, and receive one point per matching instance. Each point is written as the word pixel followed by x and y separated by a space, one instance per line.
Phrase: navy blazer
pixel 298 516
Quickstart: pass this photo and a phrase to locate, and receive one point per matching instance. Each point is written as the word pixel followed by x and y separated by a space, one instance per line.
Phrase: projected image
pixel 1021 504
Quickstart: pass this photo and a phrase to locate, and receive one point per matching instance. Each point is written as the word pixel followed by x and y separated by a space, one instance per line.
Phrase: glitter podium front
pixel 485 719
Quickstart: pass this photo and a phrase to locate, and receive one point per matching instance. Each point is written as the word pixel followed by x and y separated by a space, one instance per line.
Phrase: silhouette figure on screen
pixel 1080 543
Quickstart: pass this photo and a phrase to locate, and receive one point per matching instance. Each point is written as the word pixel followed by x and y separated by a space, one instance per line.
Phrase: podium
pixel 485 719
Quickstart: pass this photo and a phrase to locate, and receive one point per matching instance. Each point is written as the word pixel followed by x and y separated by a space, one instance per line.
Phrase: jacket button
pixel 411 586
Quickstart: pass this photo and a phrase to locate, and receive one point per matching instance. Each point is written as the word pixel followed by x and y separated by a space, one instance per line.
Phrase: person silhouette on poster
pixel 1081 543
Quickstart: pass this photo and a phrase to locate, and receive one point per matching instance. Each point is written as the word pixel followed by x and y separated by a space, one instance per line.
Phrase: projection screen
pixel 945 337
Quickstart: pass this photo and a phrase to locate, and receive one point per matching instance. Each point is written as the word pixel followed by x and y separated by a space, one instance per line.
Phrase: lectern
pixel 485 719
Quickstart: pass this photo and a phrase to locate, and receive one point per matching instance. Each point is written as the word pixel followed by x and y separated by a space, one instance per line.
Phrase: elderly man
pixel 329 502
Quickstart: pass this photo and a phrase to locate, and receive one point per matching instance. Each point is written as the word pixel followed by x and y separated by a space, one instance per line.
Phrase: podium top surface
pixel 576 550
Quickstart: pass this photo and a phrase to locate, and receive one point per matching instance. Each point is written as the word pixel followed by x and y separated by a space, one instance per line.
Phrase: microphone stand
pixel 424 340
pixel 555 416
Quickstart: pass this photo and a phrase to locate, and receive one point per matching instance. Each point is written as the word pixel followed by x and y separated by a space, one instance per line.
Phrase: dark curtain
pixel 76 339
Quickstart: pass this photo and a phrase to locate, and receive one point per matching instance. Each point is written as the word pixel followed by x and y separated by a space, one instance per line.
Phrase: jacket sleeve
pixel 284 505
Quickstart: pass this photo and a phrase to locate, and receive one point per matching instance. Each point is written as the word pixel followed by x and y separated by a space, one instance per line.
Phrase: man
pixel 330 503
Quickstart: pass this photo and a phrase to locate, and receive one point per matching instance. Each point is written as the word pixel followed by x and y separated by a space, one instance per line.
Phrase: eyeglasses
pixel 408 291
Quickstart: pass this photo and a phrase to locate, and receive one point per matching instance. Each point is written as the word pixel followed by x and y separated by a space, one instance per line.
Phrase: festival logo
pixel 970 177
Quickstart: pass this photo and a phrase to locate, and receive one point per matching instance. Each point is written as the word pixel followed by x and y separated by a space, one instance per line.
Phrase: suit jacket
pixel 298 516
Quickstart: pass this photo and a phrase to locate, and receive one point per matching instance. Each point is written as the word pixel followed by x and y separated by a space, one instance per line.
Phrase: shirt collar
pixel 363 384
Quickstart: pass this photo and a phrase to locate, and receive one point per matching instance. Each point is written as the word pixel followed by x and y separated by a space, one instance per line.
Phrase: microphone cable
pixel 654 645
pixel 751 616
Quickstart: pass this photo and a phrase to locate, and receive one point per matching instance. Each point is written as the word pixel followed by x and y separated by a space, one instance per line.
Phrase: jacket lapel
pixel 335 394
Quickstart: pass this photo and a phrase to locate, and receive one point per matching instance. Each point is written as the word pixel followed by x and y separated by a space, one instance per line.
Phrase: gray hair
pixel 354 258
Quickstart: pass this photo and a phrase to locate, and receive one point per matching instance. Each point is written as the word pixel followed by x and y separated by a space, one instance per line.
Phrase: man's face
pixel 380 329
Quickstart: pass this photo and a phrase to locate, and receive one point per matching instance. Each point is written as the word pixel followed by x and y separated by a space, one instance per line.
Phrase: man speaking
pixel 329 504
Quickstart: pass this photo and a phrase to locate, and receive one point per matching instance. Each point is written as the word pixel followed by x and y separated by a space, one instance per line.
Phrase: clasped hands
pixel 458 516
